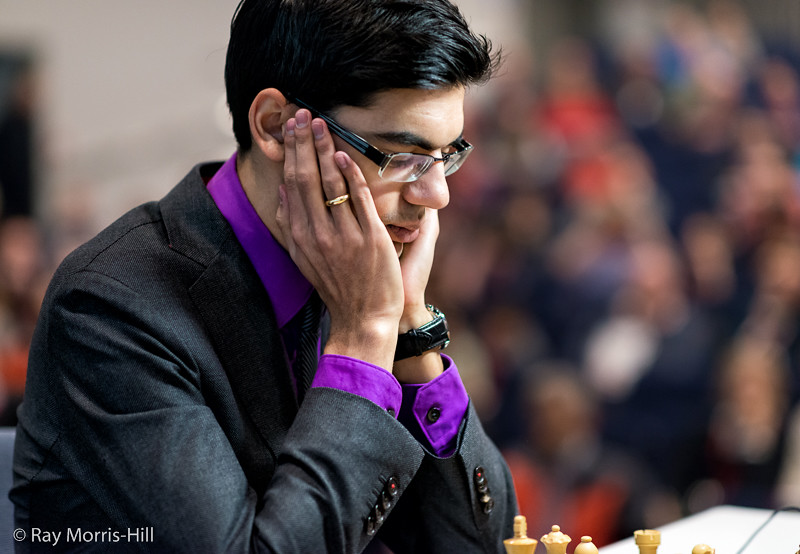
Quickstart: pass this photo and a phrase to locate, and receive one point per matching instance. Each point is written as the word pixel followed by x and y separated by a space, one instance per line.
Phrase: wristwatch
pixel 434 334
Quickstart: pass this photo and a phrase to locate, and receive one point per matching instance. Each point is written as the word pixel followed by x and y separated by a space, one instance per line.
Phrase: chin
pixel 398 246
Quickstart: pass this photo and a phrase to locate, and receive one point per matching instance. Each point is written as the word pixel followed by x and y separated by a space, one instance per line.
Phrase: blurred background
pixel 620 262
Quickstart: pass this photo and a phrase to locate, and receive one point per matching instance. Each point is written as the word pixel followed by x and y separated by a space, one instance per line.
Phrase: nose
pixel 430 190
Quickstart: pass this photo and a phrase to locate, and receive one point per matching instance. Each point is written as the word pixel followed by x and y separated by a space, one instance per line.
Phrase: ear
pixel 268 112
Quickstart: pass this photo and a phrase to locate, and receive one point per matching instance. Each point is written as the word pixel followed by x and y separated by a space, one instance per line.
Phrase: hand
pixel 415 265
pixel 344 251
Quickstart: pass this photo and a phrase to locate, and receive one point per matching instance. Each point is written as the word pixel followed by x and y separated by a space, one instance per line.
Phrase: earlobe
pixel 267 116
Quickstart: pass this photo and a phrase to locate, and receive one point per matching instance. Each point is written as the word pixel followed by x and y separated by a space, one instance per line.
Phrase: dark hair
pixel 341 52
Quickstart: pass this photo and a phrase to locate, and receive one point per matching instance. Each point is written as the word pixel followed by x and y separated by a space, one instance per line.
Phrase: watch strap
pixel 434 334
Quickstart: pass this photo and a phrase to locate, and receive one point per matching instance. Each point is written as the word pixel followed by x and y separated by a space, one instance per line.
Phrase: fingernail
pixel 282 194
pixel 318 128
pixel 302 118
pixel 290 127
pixel 341 159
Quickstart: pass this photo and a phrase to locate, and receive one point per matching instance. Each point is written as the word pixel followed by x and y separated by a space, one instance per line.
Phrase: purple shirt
pixel 288 290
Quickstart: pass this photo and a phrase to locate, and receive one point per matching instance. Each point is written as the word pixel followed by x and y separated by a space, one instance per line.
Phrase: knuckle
pixel 323 146
pixel 304 175
pixel 300 136
pixel 298 232
pixel 359 240
pixel 326 241
pixel 361 195
pixel 333 188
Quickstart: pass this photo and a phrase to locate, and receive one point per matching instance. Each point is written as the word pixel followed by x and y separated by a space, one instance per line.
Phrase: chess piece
pixel 703 549
pixel 647 540
pixel 555 541
pixel 521 543
pixel 586 546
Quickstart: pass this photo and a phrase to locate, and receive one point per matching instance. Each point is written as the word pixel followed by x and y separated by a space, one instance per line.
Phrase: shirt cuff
pixel 360 378
pixel 437 409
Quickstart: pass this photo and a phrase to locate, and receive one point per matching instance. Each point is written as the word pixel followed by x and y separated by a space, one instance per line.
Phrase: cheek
pixel 386 198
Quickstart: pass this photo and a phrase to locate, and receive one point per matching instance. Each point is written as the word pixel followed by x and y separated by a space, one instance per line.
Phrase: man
pixel 168 388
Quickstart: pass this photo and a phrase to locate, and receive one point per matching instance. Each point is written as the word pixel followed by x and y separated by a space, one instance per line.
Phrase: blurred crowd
pixel 620 266
pixel 23 267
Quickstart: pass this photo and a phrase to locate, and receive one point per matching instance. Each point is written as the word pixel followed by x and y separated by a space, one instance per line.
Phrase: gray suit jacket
pixel 159 416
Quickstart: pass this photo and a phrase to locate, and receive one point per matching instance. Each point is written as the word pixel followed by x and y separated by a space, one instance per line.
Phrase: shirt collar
pixel 286 286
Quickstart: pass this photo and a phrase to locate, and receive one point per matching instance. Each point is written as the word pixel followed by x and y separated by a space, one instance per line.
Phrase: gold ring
pixel 338 200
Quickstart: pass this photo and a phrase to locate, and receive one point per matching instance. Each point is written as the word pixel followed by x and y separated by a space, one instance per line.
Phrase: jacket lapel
pixel 240 320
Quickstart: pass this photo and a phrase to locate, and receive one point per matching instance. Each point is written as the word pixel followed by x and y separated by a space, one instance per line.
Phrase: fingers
pixel 311 173
pixel 301 167
pixel 293 233
pixel 334 184
pixel 321 173
pixel 291 198
pixel 430 228
pixel 361 200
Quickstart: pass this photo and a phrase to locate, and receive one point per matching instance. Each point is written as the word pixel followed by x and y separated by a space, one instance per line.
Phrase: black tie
pixel 305 365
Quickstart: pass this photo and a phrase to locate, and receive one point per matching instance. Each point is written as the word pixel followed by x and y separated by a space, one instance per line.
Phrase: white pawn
pixel 586 546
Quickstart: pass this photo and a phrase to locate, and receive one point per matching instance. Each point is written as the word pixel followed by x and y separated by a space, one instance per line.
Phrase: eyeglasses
pixel 400 167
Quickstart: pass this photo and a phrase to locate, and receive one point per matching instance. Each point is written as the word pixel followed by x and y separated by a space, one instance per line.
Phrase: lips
pixel 403 234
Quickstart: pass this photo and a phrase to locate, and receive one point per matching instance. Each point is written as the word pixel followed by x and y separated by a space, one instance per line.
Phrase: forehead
pixel 435 115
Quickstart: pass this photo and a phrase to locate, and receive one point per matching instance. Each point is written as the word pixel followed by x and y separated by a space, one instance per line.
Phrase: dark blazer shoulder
pixel 186 222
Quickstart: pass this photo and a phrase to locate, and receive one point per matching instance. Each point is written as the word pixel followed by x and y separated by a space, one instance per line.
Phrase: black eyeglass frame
pixel 378 157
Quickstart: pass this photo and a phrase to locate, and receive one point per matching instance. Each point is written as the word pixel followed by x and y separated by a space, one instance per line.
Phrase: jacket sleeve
pixel 463 503
pixel 115 418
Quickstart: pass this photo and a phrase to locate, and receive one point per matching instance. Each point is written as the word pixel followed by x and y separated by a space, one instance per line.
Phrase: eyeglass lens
pixel 409 167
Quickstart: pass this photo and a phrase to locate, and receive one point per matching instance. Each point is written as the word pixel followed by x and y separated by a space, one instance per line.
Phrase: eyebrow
pixel 410 139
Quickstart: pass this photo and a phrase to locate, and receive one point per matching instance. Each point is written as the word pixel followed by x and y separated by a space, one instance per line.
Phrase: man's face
pixel 406 120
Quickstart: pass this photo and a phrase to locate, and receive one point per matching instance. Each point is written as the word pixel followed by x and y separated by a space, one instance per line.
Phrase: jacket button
pixel 391 487
pixel 370 528
pixel 433 414
pixel 378 515
pixel 482 484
